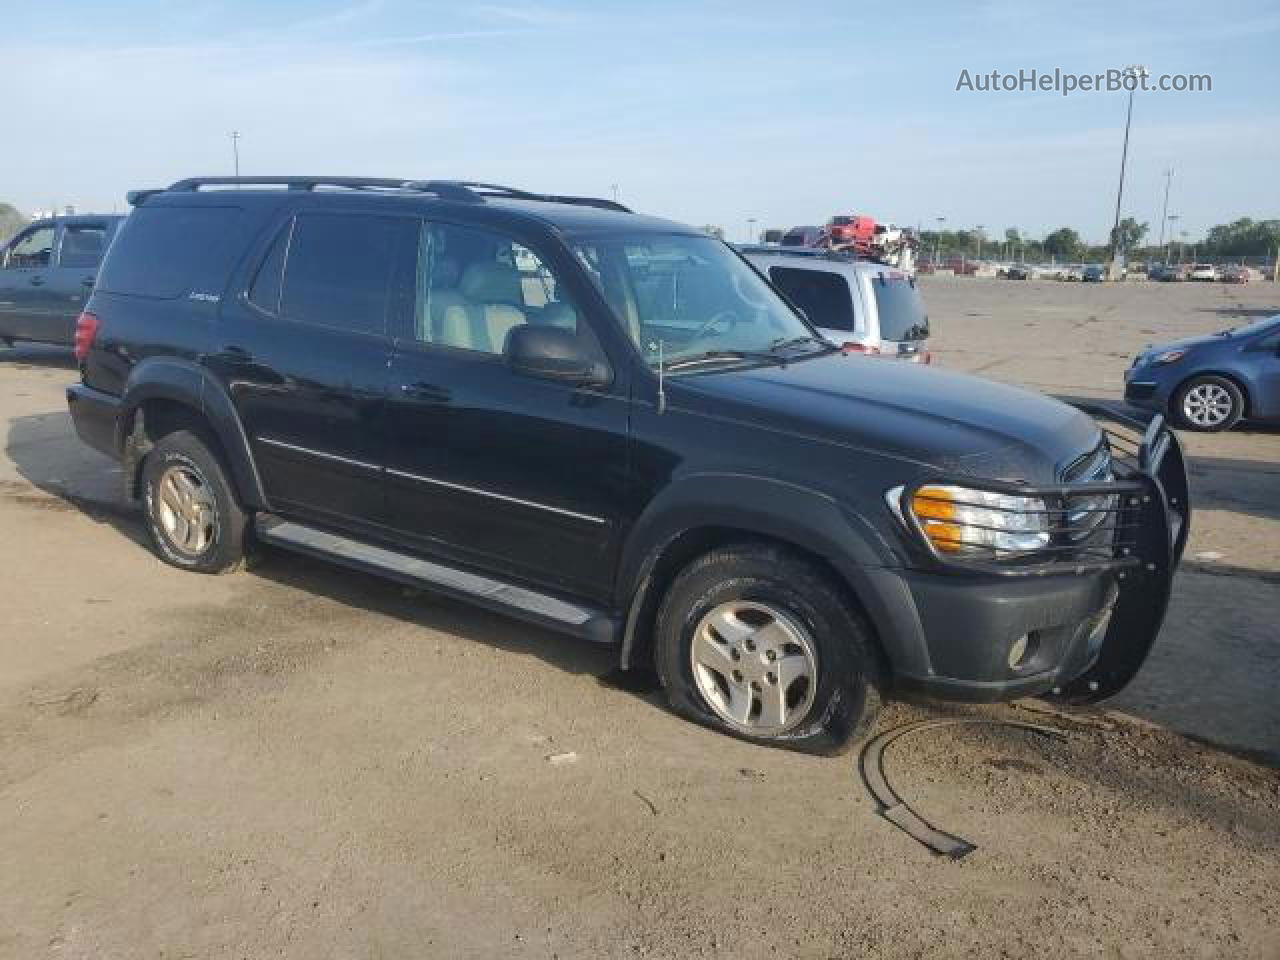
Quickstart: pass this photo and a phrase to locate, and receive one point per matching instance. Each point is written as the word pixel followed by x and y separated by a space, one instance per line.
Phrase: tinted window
pixel 32 249
pixel 82 245
pixel 475 286
pixel 340 270
pixel 168 251
pixel 265 290
pixel 901 311
pixel 822 295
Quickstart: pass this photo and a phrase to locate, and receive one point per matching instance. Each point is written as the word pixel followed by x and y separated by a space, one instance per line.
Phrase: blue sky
pixel 704 112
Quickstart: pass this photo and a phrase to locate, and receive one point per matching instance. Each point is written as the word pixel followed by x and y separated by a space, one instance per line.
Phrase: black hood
pixel 949 421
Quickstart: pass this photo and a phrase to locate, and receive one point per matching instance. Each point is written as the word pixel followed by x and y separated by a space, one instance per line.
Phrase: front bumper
pixel 1078 626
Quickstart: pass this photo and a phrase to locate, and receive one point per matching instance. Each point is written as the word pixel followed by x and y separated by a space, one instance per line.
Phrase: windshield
pixel 688 297
pixel 1257 326
pixel 901 310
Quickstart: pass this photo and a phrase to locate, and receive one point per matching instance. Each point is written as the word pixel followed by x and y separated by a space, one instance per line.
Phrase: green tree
pixel 1063 242
pixel 11 221
pixel 1128 234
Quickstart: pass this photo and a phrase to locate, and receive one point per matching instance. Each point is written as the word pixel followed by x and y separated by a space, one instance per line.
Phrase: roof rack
pixel 458 191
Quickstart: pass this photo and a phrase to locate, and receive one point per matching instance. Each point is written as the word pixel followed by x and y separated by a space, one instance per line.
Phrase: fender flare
pixel 810 519
pixel 187 383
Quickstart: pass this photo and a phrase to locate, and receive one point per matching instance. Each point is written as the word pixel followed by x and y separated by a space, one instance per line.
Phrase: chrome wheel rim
pixel 1207 405
pixel 755 666
pixel 185 510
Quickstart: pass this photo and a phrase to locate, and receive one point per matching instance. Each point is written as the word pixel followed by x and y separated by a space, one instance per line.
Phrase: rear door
pixel 80 247
pixel 305 352
pixel 25 303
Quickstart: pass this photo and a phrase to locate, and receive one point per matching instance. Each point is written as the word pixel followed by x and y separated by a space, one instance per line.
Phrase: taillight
pixel 86 330
pixel 853 346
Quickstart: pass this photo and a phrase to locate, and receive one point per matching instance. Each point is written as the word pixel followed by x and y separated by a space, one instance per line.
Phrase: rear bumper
pixel 94 414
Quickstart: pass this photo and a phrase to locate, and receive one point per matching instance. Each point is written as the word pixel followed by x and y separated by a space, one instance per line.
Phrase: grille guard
pixel 1147 532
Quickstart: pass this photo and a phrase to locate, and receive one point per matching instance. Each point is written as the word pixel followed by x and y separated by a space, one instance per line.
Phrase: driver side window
pixel 33 248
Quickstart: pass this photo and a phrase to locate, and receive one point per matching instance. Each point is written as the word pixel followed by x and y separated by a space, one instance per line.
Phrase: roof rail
pixel 482 190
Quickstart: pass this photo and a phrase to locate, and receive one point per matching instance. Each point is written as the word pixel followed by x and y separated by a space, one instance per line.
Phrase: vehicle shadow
pixel 68 475
pixel 27 355
pixel 1241 311
pixel 1239 486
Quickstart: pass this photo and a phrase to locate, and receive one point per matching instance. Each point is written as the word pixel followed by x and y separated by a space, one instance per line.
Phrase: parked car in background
pixel 46 273
pixel 844 232
pixel 772 235
pixel 1236 274
pixel 641 445
pixel 861 306
pixel 1093 274
pixel 802 237
pixel 1166 272
pixel 1204 272
pixel 1210 383
pixel 1071 274
pixel 1018 271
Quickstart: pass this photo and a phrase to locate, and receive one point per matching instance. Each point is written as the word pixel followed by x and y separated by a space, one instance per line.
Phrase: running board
pixel 588 623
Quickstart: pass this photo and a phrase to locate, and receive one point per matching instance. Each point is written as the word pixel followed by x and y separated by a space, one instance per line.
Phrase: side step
pixel 540 608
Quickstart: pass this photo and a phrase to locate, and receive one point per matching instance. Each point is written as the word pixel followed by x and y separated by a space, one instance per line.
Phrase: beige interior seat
pixel 489 308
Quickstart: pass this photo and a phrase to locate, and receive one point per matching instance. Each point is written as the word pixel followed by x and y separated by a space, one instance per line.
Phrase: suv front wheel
pixel 760 643
pixel 192 514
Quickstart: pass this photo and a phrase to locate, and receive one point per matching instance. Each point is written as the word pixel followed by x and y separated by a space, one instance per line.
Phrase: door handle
pixel 37 281
pixel 425 392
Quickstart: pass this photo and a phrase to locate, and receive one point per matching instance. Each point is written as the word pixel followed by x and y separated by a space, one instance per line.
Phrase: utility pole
pixel 1164 215
pixel 235 149
pixel 614 188
pixel 978 230
pixel 751 230
pixel 937 240
pixel 1173 219
pixel 1136 71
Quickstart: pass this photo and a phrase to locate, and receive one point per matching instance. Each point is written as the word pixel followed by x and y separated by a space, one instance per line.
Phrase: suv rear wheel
pixel 191 509
pixel 758 642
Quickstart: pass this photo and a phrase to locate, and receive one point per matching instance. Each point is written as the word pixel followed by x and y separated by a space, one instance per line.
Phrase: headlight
pixel 1170 356
pixel 959 520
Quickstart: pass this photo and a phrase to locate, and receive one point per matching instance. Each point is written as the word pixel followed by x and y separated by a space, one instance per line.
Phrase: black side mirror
pixel 554 353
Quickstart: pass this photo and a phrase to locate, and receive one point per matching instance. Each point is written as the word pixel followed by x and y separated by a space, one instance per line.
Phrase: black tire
pixel 849 676
pixel 1217 386
pixel 192 457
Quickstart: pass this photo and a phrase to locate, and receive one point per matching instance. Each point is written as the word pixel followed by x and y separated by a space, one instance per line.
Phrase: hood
pixel 938 419
pixel 1186 343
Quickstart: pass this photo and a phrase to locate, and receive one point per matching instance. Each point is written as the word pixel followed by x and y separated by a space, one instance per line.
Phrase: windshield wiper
pixel 709 356
pixel 798 341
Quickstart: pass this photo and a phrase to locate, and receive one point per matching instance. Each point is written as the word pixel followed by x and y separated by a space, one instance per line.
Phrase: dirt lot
pixel 301 762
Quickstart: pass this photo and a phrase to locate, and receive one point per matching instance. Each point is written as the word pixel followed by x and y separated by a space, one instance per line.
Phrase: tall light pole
pixel 1172 218
pixel 1135 73
pixel 235 149
pixel 751 229
pixel 978 230
pixel 614 188
pixel 937 240
pixel 1164 214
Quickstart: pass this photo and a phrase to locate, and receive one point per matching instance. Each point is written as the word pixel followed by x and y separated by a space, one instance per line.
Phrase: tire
pixel 1208 404
pixel 796 611
pixel 183 481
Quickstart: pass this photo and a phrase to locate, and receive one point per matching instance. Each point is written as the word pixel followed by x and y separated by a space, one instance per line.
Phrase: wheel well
pixel 153 420
pixel 682 550
pixel 1244 391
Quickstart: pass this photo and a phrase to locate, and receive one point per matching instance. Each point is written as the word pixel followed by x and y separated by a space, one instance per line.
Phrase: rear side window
pixel 822 295
pixel 900 308
pixel 82 245
pixel 167 251
pixel 340 270
pixel 32 249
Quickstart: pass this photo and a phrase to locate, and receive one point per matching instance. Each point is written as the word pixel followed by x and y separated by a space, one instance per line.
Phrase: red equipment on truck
pixel 854 233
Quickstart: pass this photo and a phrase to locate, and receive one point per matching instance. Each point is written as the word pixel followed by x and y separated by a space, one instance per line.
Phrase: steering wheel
pixel 725 315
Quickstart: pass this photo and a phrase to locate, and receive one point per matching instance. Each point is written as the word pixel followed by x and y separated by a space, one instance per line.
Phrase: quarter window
pixel 340 270
pixel 32 249
pixel 265 291
pixel 475 286
pixel 82 245
pixel 823 295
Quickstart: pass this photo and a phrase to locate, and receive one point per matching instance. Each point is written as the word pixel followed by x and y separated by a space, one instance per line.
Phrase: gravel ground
pixel 302 762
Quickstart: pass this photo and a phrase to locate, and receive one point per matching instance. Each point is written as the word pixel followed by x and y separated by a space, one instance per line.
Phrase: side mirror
pixel 553 353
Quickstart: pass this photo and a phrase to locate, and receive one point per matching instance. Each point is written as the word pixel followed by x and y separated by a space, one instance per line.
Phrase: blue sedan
pixel 1210 383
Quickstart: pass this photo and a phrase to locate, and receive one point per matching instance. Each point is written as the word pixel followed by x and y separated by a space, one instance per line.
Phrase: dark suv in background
pixel 46 273
pixel 611 425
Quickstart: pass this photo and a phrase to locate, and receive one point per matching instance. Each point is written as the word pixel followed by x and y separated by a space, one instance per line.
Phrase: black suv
pixel 612 425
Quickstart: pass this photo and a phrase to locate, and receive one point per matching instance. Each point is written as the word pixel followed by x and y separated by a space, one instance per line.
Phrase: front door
pixel 305 354
pixel 25 303
pixel 502 471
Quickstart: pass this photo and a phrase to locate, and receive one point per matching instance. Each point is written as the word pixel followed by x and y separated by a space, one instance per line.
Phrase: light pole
pixel 978 230
pixel 235 149
pixel 614 188
pixel 1172 218
pixel 1134 73
pixel 751 229
pixel 937 240
pixel 1164 214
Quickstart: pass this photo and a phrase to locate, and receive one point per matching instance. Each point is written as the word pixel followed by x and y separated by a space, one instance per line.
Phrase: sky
pixel 708 113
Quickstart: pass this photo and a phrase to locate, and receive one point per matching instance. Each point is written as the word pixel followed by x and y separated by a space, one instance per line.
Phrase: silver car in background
pixel 863 306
